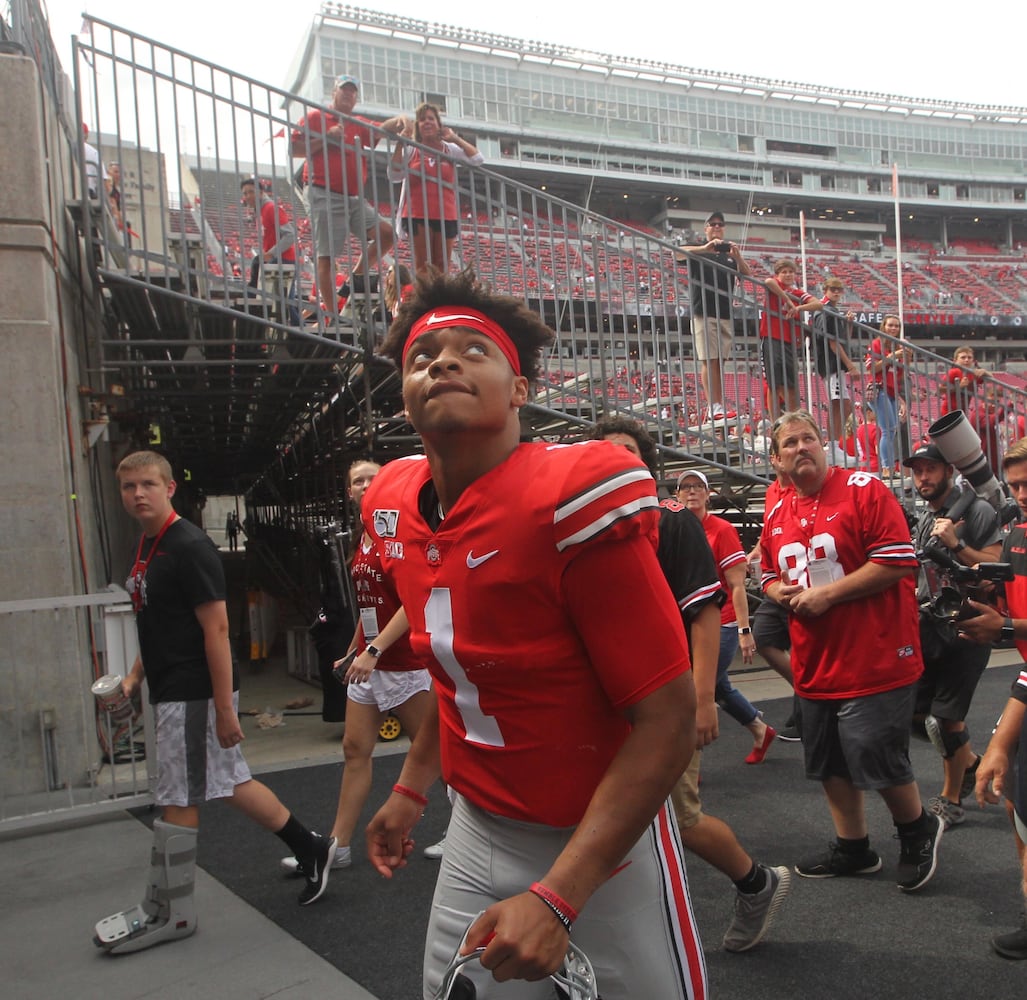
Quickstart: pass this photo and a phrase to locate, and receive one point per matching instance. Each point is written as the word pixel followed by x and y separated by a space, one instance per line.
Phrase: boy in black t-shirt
pixel 178 592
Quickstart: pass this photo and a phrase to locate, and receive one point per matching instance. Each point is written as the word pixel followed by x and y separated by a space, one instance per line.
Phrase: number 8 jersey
pixel 858 647
pixel 541 610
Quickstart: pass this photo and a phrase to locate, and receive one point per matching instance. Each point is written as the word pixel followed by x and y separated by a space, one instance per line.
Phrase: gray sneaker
pixel 951 813
pixel 755 911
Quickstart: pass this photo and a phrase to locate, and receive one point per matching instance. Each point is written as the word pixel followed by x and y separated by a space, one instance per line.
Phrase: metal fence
pixel 63 759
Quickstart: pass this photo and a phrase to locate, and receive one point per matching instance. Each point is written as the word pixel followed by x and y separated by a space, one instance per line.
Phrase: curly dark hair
pixel 633 429
pixel 434 289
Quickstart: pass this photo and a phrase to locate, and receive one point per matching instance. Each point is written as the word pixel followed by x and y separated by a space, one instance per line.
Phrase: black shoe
pixel 790 734
pixel 918 856
pixel 966 789
pixel 1014 944
pixel 316 868
pixel 835 862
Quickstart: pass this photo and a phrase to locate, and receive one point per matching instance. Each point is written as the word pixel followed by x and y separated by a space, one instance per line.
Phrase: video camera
pixel 950 605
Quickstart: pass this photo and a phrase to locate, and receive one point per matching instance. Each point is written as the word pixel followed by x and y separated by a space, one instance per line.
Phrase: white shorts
pixel 192 767
pixel 837 386
pixel 388 689
pixel 638 929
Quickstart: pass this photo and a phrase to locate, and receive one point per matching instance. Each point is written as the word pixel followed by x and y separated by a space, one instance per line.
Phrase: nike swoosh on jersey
pixel 474 561
pixel 831 517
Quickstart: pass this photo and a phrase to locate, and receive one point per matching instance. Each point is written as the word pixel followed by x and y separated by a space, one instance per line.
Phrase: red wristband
pixel 410 794
pixel 563 910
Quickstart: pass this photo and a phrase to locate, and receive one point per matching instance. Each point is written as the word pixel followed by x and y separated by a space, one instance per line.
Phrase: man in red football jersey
pixel 837 553
pixel 565 709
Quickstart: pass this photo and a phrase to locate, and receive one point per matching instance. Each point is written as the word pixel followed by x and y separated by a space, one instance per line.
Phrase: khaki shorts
pixel 713 337
pixel 684 796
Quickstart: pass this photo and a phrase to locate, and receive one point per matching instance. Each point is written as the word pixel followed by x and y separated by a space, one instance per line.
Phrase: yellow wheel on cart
pixel 390 728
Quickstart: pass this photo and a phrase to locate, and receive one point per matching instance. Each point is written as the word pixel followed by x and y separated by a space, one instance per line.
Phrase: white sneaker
pixel 342 859
pixel 435 850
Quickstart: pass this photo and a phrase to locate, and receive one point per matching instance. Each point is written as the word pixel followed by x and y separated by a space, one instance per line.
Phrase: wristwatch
pixel 959 546
pixel 744 630
pixel 373 650
pixel 1008 633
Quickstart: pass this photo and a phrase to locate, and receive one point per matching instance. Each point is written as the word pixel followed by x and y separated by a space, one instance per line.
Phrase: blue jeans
pixel 733 702
pixel 887 413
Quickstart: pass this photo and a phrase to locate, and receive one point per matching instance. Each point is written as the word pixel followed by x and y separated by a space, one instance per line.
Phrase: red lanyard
pixel 810 522
pixel 137 579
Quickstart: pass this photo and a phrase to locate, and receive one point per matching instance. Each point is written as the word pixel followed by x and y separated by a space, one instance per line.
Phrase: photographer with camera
pixel 959 529
pixel 1003 769
pixel 712 271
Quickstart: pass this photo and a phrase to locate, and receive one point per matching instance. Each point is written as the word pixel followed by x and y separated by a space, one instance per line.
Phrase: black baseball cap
pixel 928 453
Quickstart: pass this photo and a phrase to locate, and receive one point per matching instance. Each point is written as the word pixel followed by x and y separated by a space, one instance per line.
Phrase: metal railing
pixel 287 393
pixel 65 760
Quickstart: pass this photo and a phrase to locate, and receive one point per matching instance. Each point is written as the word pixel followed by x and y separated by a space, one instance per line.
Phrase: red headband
pixel 447 316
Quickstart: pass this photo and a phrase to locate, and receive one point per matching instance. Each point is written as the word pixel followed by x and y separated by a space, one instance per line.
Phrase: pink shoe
pixel 757 754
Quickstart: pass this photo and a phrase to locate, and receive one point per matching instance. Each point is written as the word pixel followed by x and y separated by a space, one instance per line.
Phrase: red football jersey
pixel 858 647
pixel 378 602
pixel 540 608
pixel 727 552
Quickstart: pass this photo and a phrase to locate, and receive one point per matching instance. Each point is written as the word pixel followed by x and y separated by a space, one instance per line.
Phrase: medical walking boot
pixel 168 910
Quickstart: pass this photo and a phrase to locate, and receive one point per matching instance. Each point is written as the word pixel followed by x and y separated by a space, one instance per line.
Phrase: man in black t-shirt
pixel 688 564
pixel 712 271
pixel 178 591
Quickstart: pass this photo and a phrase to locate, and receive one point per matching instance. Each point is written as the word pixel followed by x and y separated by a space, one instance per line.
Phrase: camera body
pixel 722 247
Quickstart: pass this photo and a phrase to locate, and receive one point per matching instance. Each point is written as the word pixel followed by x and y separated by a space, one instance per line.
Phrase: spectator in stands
pixel 831 329
pixel 428 200
pixel 94 165
pixel 114 193
pixel 693 491
pixel 712 270
pixel 961 380
pixel 334 141
pixel 781 330
pixel 278 235
pixel 398 284
pixel 884 362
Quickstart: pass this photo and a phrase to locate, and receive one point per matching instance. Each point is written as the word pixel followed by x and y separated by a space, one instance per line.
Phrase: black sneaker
pixel 918 856
pixel 316 868
pixel 1014 944
pixel 835 862
pixel 966 789
pixel 790 734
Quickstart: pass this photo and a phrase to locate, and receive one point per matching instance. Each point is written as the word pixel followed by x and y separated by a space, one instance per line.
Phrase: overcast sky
pixel 907 49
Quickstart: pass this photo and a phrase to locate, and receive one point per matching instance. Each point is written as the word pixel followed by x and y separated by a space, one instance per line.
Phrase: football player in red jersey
pixel 565 707
pixel 838 554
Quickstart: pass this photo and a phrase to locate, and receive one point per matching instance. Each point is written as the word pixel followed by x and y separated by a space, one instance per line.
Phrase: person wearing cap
pixel 713 268
pixel 693 491
pixel 565 708
pixel 689 564
pixel 335 142
pixel 952 666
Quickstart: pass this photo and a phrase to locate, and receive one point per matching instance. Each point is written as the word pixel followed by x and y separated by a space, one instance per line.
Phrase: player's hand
pixel 991 777
pixel 523 939
pixel 229 731
pixel 707 722
pixel 811 603
pixel 985 628
pixel 388 834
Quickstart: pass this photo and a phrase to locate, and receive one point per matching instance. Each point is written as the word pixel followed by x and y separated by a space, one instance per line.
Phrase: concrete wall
pixel 49 542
